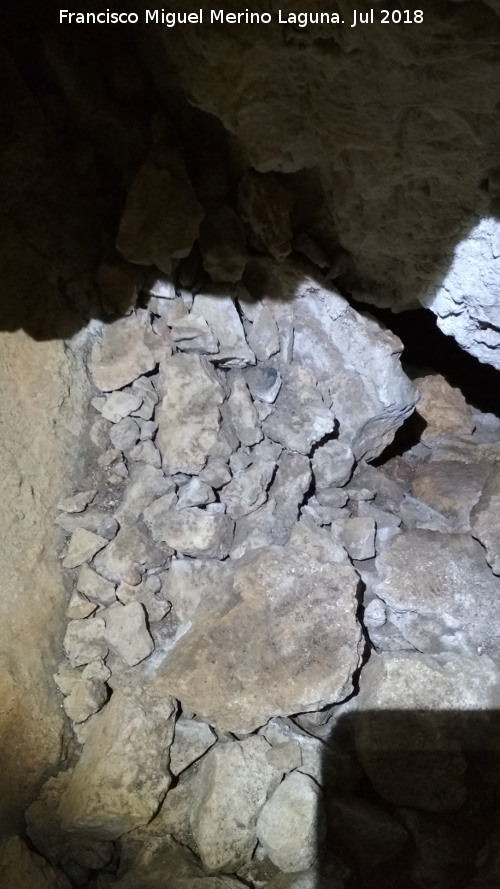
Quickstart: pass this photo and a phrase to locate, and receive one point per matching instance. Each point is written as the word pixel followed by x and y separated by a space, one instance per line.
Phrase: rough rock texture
pixel 127 349
pixel 443 408
pixel 485 521
pixel 41 392
pixel 290 616
pixel 121 777
pixel 22 869
pixel 290 824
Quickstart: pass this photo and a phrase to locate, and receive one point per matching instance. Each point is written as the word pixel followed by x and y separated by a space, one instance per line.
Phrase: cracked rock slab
pixel 220 313
pixel 127 349
pixel 122 774
pixel 188 415
pixel 485 521
pixel 300 418
pixel 194 532
pixel 440 593
pixel 130 555
pixel 289 643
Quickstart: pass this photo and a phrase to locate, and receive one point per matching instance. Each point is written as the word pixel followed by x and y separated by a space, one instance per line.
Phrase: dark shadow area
pixel 411 800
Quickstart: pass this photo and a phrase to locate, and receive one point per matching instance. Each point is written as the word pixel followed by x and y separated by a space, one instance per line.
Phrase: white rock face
pixel 290 824
pixel 467 303
pixel 122 775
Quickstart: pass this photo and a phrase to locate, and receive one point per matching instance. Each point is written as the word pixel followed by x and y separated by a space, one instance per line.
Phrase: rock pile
pixel 238 573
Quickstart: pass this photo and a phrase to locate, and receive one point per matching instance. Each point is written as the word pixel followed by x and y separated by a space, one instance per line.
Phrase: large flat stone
pixel 126 349
pixel 289 643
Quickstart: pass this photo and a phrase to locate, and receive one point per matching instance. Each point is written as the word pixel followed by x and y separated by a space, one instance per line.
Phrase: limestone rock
pixel 222 245
pixel 125 434
pixel 191 740
pixel 130 555
pixel 235 781
pixel 127 633
pixel 357 536
pixel 242 413
pixel 263 338
pixel 127 349
pixel 148 593
pixel 485 521
pixel 216 473
pixel 195 493
pixel 79 607
pixel 147 483
pixel 86 698
pixel 264 383
pixel 77 502
pixel 146 452
pixel 160 219
pixel 222 317
pixel 198 588
pixel 300 418
pixel 290 633
pixel 416 715
pixel 82 548
pixel 451 488
pixel 119 405
pixel 43 821
pixel 247 489
pixel 443 408
pixel 121 776
pixel 22 869
pixel 332 464
pixel 95 587
pixel 192 334
pixel 143 388
pixel 440 593
pixel 92 520
pixel 290 824
pixel 188 416
pixel 84 641
pixel 194 532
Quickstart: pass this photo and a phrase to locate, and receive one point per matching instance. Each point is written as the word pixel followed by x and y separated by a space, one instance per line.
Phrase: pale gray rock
pixel 130 555
pixel 290 631
pixel 79 607
pixel 86 698
pixel 85 641
pixel 148 429
pixel 333 497
pixel 267 450
pixel 300 418
pixel 235 781
pixel 43 822
pixel 263 338
pixel 157 512
pixel 332 464
pixel 242 413
pixel 22 869
pixel 416 514
pixel 192 334
pixel 195 493
pixel 125 434
pixel 466 302
pixel 109 458
pixel 285 757
pixel 440 593
pixel 99 524
pixel 96 669
pixel 127 349
pixel 321 515
pixel 126 632
pixel 291 824
pixel 375 614
pixel 198 588
pixel 95 587
pixel 356 535
pixel 264 383
pixel 99 432
pixel 451 488
pixel 188 416
pixel 220 312
pixel 307 537
pixel 191 740
pixel 485 521
pixel 247 489
pixel 146 452
pixel 162 288
pixel 416 715
pixel 122 775
pixel 148 593
pixel 82 548
pixel 241 460
pixel 77 502
pixel 216 474
pixel 119 405
pixel 144 389
pixel 148 235
pixel 146 484
pixel 194 532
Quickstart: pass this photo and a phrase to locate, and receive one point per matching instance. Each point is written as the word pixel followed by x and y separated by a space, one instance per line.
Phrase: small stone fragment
pixel 332 464
pixel 301 417
pixel 92 520
pixel 195 493
pixel 290 824
pixel 263 338
pixel 191 740
pixel 78 502
pixel 248 489
pixel 95 587
pixel 86 698
pixel 242 413
pixel 192 334
pixel 222 317
pixel 119 405
pixel 84 641
pixel 79 607
pixel 194 532
pixel 82 547
pixel 146 452
pixel 99 432
pixel 128 349
pixel 96 670
pixel 442 407
pixel 146 485
pixel 148 429
pixel 147 593
pixel 216 474
pixel 125 434
pixel 127 633
pixel 357 536
pixel 264 383
pixel 130 555
pixel 144 389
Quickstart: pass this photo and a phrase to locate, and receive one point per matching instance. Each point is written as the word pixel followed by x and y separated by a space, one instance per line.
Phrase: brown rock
pixel 265 207
pixel 443 408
